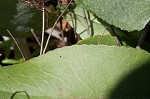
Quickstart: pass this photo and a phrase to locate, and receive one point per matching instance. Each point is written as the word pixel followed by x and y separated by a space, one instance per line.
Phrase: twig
pixel 32 31
pixel 54 26
pixel 86 23
pixel 17 45
pixel 43 22
pixel 143 36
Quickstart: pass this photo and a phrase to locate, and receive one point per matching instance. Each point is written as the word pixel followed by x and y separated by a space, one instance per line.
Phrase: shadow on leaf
pixel 135 86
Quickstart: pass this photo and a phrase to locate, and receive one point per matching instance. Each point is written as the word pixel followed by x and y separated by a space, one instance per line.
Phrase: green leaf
pixel 81 71
pixel 128 15
pixel 18 17
pixel 99 39
pixel 109 40
pixel 11 61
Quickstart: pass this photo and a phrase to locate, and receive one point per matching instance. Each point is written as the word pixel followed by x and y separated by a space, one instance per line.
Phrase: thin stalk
pixel 143 36
pixel 71 16
pixel 115 36
pixel 54 26
pixel 86 23
pixel 43 22
pixel 90 23
pixel 32 31
pixel 17 45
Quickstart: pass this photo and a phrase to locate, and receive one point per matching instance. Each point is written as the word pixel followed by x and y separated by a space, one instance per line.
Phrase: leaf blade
pixel 127 15
pixel 62 73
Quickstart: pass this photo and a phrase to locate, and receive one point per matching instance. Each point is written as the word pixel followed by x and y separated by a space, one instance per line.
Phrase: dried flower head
pixel 39 3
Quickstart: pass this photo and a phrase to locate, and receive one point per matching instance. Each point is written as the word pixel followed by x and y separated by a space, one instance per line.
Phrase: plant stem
pixel 24 46
pixel 32 31
pixel 17 45
pixel 115 36
pixel 86 23
pixel 71 16
pixel 43 22
pixel 143 35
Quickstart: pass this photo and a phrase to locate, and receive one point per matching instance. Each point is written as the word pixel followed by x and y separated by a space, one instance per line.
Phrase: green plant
pixel 96 67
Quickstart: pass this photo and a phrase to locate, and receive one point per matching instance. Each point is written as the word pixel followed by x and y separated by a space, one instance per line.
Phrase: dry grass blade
pixel 17 45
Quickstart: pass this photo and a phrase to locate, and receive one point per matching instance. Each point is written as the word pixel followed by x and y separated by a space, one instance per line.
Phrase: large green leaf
pixel 81 71
pixel 128 15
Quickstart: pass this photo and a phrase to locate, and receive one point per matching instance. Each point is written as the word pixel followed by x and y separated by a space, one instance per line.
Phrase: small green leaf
pixel 99 39
pixel 81 71
pixel 11 61
pixel 111 40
